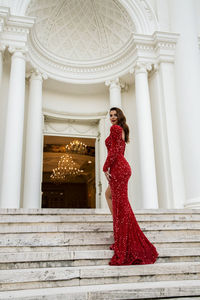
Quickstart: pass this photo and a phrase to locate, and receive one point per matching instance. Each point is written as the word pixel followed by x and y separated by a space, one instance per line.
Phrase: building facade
pixel 64 63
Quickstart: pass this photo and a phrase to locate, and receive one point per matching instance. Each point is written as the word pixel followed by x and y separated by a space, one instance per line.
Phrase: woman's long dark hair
pixel 122 122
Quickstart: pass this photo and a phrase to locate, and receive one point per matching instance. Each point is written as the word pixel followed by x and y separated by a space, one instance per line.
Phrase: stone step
pixel 25 260
pixel 149 290
pixel 89 211
pixel 20 248
pixel 93 275
pixel 91 238
pixel 76 218
pixel 92 227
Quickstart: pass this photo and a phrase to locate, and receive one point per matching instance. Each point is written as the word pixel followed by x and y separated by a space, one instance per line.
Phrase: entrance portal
pixel 68 179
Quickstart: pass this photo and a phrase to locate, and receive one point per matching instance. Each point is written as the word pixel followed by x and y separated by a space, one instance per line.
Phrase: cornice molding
pixel 18 33
pixel 14 30
pixel 72 71
pixel 160 46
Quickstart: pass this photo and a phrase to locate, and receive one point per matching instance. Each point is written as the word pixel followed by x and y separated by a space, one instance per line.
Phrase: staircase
pixel 64 253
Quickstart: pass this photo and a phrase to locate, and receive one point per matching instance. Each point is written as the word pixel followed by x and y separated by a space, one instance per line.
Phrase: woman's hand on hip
pixel 108 175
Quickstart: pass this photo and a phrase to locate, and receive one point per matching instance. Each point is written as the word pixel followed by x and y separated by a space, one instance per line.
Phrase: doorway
pixel 68 177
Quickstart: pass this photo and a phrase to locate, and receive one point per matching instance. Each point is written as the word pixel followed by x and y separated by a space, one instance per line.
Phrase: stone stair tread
pixel 96 211
pixel 92 238
pixel 67 273
pixel 65 248
pixel 90 227
pixel 84 254
pixel 92 218
pixel 111 291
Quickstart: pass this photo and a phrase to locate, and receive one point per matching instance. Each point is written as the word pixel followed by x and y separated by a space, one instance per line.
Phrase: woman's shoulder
pixel 116 127
pixel 116 130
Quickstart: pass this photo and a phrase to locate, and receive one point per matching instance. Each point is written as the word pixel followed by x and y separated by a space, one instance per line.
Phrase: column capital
pixel 117 83
pixel 35 74
pixel 18 52
pixel 113 82
pixel 141 67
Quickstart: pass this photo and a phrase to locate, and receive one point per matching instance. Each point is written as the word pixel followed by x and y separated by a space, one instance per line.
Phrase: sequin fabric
pixel 130 246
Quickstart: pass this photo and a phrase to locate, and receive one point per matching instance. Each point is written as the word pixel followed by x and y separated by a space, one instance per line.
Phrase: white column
pixel 166 71
pixel 115 92
pixel 145 134
pixel 1 65
pixel 187 74
pixel 103 155
pixel 11 178
pixel 33 158
pixel 2 49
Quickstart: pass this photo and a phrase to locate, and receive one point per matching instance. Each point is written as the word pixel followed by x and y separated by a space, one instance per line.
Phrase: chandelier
pixel 66 169
pixel 77 147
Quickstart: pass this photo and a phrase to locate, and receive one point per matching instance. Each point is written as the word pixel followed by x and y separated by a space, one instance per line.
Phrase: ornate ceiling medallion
pixel 80 40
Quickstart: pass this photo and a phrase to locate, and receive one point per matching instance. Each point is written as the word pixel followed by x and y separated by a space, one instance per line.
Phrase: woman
pixel 131 246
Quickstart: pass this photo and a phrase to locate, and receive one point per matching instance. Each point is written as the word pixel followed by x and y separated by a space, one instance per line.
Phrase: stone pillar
pixel 166 71
pixel 145 134
pixel 2 49
pixel 33 158
pixel 11 176
pixel 187 74
pixel 1 65
pixel 103 155
pixel 115 92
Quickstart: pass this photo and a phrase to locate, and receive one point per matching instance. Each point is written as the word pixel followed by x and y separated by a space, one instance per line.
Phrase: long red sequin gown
pixel 130 245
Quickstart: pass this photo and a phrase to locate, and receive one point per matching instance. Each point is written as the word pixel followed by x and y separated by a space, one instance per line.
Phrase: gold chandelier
pixel 66 169
pixel 76 147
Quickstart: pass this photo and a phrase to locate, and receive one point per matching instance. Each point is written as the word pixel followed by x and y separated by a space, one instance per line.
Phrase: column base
pixel 192 203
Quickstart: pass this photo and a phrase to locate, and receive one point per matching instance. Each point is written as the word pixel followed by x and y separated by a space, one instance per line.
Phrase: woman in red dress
pixel 130 245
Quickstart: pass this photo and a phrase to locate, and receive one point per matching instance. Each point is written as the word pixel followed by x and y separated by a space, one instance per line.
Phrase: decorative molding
pixel 141 67
pixel 13 50
pixel 71 71
pixel 19 33
pixel 139 11
pixel 164 45
pixel 67 115
pixel 92 70
pixel 71 128
pixel 151 16
pixel 155 48
pixel 14 30
pixel 37 73
pixel 4 14
pixel 91 32
pixel 117 82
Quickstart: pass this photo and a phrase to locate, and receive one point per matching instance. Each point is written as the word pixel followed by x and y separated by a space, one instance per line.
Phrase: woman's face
pixel 113 117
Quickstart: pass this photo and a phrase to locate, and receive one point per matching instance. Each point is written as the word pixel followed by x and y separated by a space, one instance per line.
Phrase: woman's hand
pixel 108 176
